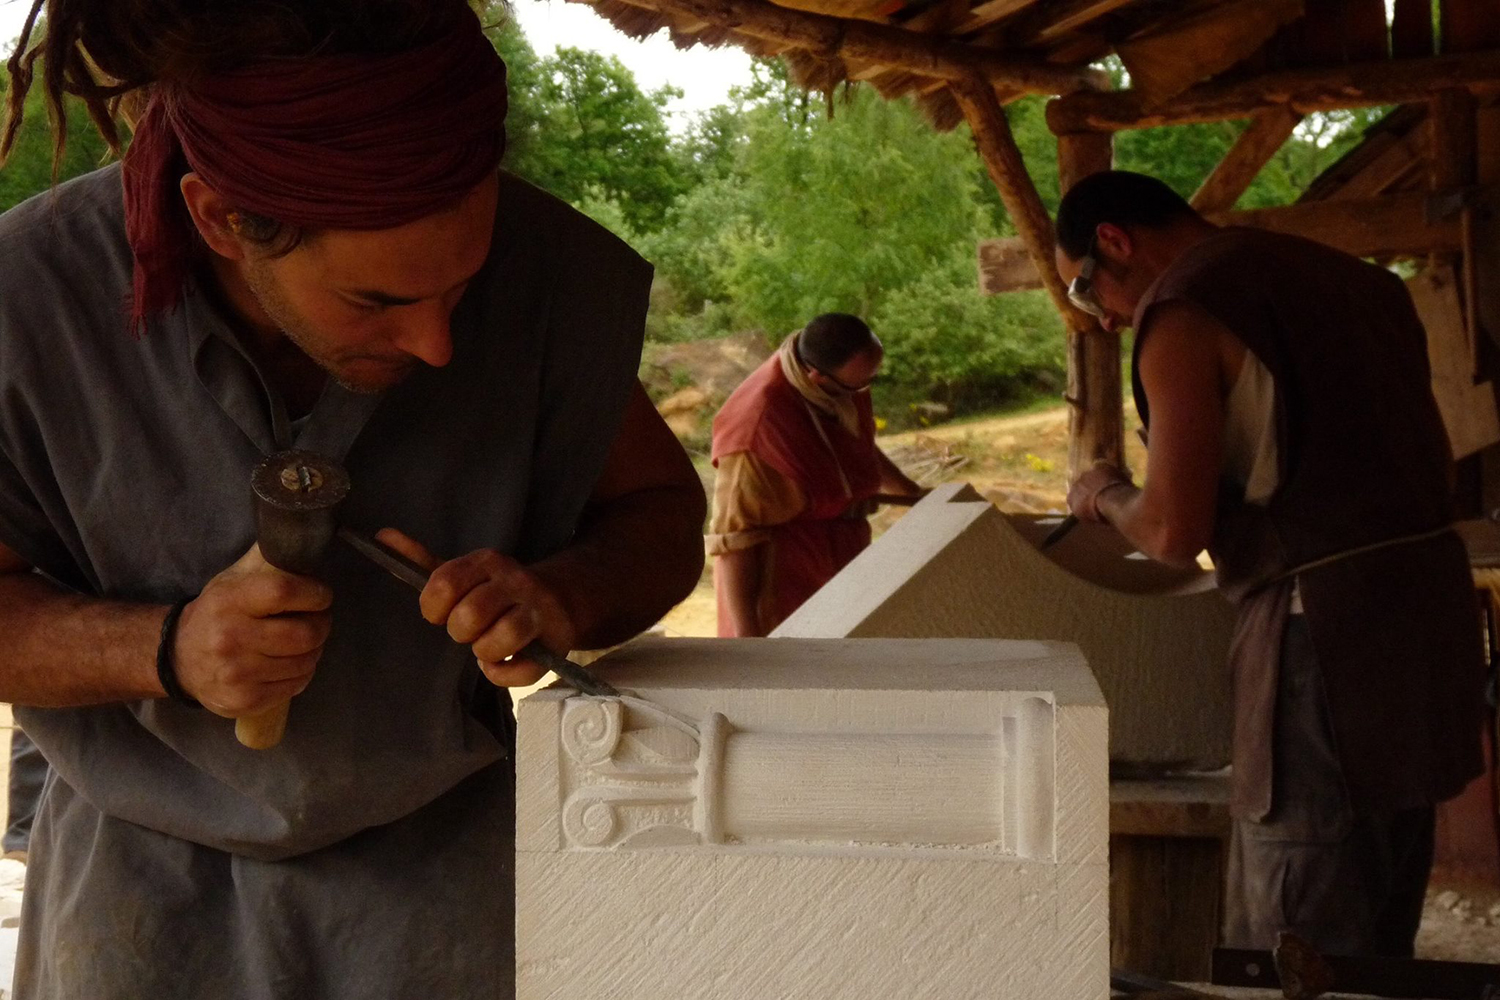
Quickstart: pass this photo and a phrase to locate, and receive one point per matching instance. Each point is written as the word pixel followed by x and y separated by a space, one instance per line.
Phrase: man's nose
pixel 427 335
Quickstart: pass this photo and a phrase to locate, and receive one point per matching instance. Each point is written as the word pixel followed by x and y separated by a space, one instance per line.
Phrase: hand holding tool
pixel 297 498
pixel 415 577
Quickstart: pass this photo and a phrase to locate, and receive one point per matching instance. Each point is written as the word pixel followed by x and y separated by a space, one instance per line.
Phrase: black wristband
pixel 166 670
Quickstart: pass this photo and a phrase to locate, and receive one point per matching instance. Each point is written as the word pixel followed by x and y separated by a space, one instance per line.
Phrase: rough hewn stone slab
pixel 1157 638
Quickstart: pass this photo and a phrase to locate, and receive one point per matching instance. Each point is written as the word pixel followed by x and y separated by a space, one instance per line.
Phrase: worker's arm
pixel 739 576
pixel 894 481
pixel 751 498
pixel 1171 518
pixel 638 551
pixel 61 649
pixel 241 646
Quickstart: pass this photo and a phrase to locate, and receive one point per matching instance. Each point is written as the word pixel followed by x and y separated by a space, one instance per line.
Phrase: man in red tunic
pixel 797 467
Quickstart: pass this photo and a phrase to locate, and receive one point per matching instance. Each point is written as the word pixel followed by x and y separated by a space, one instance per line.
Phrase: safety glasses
pixel 1081 289
pixel 850 389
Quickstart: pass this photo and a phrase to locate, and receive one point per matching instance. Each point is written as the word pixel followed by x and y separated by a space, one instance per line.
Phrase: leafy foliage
pixel 969 351
pixel 582 128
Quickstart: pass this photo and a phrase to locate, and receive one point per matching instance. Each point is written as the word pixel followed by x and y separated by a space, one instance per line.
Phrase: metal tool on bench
pixel 297 498
pixel 1133 984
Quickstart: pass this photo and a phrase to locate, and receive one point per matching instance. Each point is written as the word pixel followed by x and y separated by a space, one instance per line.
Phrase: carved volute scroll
pixel 636 775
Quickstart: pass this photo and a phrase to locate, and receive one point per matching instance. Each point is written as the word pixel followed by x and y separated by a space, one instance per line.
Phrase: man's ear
pixel 1114 242
pixel 212 217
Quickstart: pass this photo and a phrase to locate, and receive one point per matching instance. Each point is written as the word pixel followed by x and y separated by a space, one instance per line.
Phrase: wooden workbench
pixel 1168 841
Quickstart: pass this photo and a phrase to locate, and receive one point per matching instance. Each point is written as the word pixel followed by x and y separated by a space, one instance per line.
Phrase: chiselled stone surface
pixel 1156 637
pixel 820 819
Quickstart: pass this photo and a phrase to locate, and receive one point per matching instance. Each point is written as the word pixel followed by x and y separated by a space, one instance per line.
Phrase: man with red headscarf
pixel 314 249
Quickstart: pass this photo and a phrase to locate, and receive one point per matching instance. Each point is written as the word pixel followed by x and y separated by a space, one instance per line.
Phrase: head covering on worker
pixel 337 141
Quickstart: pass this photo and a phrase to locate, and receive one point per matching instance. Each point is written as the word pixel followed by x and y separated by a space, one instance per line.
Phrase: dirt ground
pixel 1460 923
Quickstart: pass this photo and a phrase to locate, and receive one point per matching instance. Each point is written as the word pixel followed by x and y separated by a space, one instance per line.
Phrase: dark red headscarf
pixel 340 141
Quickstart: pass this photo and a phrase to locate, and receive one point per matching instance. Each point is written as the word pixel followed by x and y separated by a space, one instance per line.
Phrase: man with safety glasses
pixel 1293 433
pixel 797 465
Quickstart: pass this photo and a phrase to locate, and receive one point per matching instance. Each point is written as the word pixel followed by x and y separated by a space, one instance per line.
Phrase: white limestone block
pixel 1157 638
pixel 819 819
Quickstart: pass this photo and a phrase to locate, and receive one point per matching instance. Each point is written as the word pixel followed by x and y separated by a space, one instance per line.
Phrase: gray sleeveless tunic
pixel 369 855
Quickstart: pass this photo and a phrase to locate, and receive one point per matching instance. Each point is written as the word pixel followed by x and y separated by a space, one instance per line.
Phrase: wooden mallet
pixel 297 499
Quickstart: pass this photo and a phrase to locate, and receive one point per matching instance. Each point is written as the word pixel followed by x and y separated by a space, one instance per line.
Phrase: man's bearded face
pixel 367 306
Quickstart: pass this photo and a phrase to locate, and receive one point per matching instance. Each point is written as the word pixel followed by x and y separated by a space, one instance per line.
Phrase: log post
pixel 1453 165
pixel 1095 422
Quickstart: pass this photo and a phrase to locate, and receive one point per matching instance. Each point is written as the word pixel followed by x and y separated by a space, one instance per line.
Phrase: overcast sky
pixel 704 74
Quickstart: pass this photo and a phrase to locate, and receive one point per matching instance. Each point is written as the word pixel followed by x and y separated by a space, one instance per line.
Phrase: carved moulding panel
pixel 636 775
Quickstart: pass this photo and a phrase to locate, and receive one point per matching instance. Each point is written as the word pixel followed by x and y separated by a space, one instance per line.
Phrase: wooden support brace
pixel 1089 439
pixel 1453 163
pixel 1002 158
pixel 1251 151
pixel 1411 29
pixel 1096 420
pixel 1398 81
pixel 863 41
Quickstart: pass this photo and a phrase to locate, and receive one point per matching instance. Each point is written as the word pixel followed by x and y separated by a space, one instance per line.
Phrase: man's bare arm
pixel 61 649
pixel 893 480
pixel 251 639
pixel 1182 362
pixel 740 574
pixel 640 548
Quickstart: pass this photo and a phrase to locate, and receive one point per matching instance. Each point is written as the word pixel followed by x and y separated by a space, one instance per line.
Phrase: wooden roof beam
pixel 1399 81
pixel 1057 19
pixel 1399 225
pixel 862 41
pixel 1250 152
pixel 1391 166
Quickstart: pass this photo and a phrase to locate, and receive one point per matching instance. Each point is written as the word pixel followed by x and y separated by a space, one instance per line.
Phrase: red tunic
pixel 769 418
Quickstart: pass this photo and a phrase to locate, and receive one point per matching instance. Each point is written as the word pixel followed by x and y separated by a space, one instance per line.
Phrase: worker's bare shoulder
pixel 1186 339
pixel 1182 325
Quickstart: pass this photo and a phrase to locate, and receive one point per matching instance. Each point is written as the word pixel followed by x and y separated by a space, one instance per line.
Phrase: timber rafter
pixel 855 41
pixel 1396 81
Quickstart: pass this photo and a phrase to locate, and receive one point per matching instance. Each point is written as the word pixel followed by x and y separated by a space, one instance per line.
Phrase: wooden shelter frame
pixel 1273 61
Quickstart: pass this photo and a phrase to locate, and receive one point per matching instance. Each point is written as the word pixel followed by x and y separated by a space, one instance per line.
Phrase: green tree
pixel 842 210
pixel 598 131
pixel 947 343
pixel 524 135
